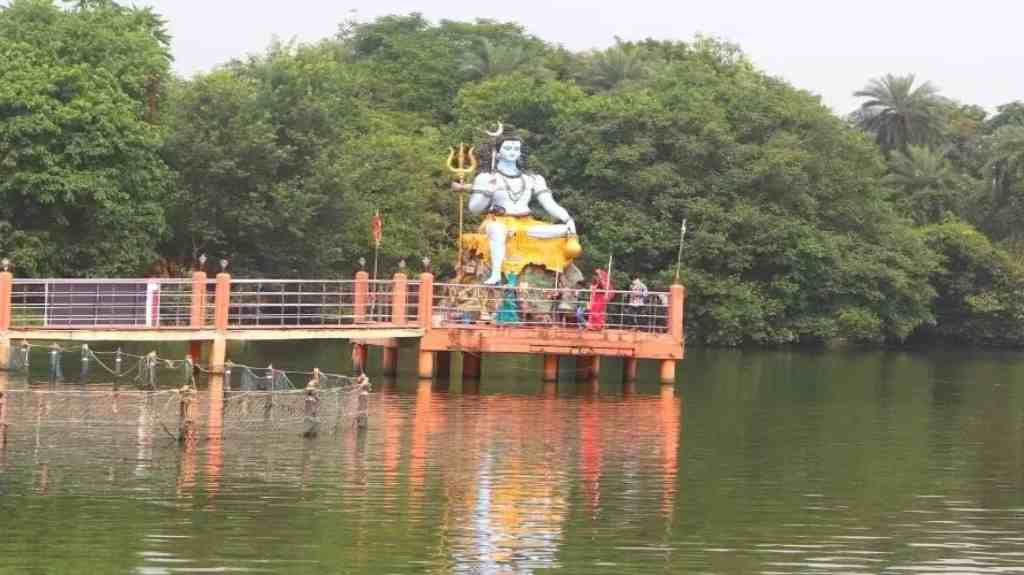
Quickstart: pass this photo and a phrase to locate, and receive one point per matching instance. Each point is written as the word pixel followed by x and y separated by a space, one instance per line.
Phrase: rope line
pixel 167 362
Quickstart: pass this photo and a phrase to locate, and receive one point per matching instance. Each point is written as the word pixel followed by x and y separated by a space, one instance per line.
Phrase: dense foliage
pixel 896 223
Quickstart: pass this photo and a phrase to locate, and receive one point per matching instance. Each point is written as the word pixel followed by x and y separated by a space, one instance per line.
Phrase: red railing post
pixel 426 300
pixel 198 317
pixel 399 294
pixel 6 285
pixel 222 301
pixel 362 291
pixel 222 306
pixel 676 297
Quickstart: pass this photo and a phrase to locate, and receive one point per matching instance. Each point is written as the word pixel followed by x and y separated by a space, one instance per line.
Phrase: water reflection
pixel 836 472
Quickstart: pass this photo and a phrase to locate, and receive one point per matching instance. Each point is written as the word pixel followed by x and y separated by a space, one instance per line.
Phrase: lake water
pixel 755 462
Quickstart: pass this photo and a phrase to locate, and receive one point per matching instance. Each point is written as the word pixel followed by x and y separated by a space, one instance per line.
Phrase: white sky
pixel 971 50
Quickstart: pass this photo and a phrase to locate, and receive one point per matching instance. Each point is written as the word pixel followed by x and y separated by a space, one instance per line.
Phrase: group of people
pixel 575 305
pixel 589 308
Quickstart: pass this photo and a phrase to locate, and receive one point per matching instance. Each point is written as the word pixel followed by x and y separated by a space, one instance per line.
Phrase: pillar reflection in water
pixel 215 436
pixel 670 417
pixel 4 384
pixel 591 451
pixel 418 450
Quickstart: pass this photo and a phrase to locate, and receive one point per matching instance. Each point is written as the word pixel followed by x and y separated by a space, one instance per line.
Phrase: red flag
pixel 377 226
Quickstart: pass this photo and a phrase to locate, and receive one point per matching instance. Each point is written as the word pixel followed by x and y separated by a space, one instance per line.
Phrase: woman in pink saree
pixel 599 296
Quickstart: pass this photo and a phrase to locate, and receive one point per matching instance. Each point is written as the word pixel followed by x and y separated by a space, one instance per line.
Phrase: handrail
pixel 253 303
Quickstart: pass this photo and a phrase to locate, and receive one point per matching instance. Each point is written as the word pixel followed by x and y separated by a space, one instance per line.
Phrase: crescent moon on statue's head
pixel 498 132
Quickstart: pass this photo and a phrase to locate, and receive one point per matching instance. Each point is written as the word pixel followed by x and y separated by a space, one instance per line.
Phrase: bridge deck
pixel 552 340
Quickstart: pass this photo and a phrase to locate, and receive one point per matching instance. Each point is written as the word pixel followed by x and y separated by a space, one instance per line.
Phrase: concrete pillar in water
pixel 222 301
pixel 5 352
pixel 583 367
pixel 550 389
pixel 471 361
pixel 629 368
pixel 550 367
pixel 195 349
pixel 389 360
pixel 588 367
pixel 470 387
pixel 218 353
pixel 443 366
pixel 360 351
pixel 425 367
pixel 668 371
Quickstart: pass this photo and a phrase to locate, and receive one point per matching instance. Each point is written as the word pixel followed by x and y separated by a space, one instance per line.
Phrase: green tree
pixel 898 113
pixel 487 59
pixel 1011 114
pixel 281 163
pixel 792 238
pixel 623 62
pixel 1005 171
pixel 82 185
pixel 980 288
pixel 930 190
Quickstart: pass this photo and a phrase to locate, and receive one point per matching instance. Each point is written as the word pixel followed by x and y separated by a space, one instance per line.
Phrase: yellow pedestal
pixel 521 250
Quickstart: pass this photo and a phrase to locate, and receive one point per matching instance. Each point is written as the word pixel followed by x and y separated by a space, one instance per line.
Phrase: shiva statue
pixel 514 239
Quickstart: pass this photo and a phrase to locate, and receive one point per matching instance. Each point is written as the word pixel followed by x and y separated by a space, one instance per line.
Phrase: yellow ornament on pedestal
pixel 555 254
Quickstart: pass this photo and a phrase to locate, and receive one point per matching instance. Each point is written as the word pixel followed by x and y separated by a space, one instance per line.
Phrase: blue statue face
pixel 510 151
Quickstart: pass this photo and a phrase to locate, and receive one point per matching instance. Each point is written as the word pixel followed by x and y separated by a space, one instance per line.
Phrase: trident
pixel 461 163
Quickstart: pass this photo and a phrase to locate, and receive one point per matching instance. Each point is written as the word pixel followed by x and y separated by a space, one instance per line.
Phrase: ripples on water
pixel 818 464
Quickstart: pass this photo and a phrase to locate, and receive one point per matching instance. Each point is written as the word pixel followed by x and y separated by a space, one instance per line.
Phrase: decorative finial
pixel 223 265
pixel 202 260
pixel 6 263
pixel 497 132
pixel 426 263
pixel 401 265
pixel 362 262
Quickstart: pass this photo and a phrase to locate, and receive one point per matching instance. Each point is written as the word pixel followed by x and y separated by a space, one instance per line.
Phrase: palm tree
pixel 487 59
pixel 930 186
pixel 1005 167
pixel 920 167
pixel 1006 161
pixel 897 113
pixel 619 63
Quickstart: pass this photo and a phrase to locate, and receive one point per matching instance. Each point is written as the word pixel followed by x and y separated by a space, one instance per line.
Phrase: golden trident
pixel 461 163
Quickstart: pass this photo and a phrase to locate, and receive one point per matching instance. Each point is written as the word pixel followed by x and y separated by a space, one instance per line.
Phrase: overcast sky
pixel 971 50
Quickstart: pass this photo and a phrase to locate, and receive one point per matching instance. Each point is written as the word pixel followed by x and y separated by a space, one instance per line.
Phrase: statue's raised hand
pixel 460 187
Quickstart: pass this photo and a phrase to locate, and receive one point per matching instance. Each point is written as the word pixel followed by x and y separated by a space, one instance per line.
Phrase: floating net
pixel 244 399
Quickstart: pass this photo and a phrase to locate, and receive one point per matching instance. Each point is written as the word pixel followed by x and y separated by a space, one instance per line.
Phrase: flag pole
pixel 376 245
pixel 679 256
pixel 378 228
pixel 609 286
